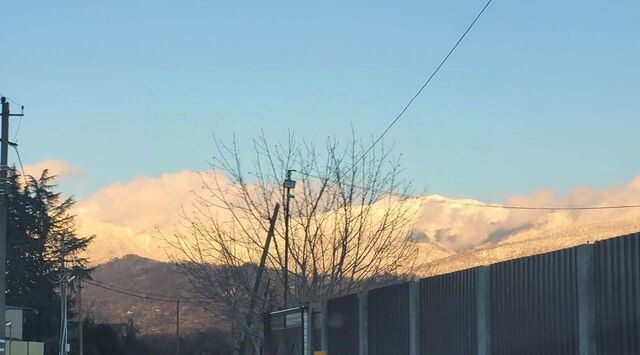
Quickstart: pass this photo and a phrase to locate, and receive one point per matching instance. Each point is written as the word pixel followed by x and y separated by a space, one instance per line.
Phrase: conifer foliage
pixel 39 217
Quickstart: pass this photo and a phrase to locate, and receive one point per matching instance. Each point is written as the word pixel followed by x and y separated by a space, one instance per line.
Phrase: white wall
pixel 15 317
pixel 16 347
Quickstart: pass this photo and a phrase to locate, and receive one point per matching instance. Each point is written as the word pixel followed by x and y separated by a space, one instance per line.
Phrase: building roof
pixel 7 307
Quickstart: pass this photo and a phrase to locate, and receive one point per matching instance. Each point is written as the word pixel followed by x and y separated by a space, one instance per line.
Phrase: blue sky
pixel 542 94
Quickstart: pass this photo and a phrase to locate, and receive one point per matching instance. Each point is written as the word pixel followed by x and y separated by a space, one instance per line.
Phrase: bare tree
pixel 350 225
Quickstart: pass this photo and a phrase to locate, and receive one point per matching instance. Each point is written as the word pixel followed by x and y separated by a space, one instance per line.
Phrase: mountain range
pixel 158 277
pixel 145 277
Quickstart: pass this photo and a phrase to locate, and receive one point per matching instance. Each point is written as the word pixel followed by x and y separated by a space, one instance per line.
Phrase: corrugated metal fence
pixel 342 325
pixel 388 320
pixel 448 314
pixel 617 265
pixel 534 306
pixel 583 301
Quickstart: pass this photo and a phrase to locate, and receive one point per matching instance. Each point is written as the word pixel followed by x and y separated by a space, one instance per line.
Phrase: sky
pixel 540 95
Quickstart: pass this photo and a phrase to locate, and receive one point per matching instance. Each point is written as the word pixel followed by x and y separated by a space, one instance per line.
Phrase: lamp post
pixel 288 185
pixel 64 344
pixel 10 325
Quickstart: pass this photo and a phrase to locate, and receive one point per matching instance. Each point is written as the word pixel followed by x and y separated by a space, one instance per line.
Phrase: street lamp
pixel 288 185
pixel 10 325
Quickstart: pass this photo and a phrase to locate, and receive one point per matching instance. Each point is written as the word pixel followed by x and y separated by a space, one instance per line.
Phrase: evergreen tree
pixel 38 219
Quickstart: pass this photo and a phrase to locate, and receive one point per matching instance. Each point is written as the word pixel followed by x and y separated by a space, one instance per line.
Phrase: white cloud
pixel 56 167
pixel 126 216
pixel 460 227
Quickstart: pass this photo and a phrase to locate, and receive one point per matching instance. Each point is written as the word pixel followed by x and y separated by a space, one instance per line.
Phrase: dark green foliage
pixel 121 339
pixel 102 339
pixel 209 341
pixel 38 217
pixel 111 339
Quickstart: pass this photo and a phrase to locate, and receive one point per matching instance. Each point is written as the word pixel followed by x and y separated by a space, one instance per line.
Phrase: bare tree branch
pixel 350 225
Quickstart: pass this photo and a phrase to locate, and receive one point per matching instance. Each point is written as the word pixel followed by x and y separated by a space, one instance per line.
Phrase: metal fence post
pixel 414 314
pixel 324 344
pixel 483 309
pixel 586 299
pixel 363 332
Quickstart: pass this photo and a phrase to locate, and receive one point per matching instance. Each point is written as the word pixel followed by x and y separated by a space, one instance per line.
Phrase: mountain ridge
pixel 153 277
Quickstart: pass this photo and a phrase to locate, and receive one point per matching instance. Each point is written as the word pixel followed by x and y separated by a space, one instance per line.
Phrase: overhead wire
pixel 433 74
pixel 533 208
pixel 429 199
pixel 129 293
pixel 15 134
pixel 24 175
pixel 11 100
pixel 129 290
pixel 144 295
pixel 453 202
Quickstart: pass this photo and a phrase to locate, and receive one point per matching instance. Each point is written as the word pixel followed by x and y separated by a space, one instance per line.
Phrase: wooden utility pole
pixel 3 216
pixel 63 299
pixel 256 284
pixel 80 319
pixel 4 153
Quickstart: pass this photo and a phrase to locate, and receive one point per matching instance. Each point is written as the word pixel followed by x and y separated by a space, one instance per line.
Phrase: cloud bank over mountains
pixel 461 227
pixel 127 217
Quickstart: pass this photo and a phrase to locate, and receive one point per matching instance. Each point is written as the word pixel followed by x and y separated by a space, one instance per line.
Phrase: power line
pixel 533 208
pixel 15 135
pixel 128 293
pixel 427 199
pixel 11 100
pixel 132 291
pixel 406 107
pixel 24 175
pixel 142 295
pixel 453 202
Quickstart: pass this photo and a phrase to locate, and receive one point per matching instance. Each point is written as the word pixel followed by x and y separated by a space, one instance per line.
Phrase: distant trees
pixel 350 224
pixel 207 341
pixel 113 339
pixel 38 217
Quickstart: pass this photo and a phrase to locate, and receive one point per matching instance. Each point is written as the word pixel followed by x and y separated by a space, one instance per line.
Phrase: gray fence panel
pixel 281 339
pixel 388 320
pixel 534 305
pixel 617 264
pixel 284 342
pixel 448 322
pixel 342 325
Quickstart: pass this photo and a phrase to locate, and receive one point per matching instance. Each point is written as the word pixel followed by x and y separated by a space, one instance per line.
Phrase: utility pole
pixel 178 326
pixel 80 319
pixel 63 299
pixel 4 153
pixel 288 186
pixel 3 216
pixel 256 284
pixel 65 279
